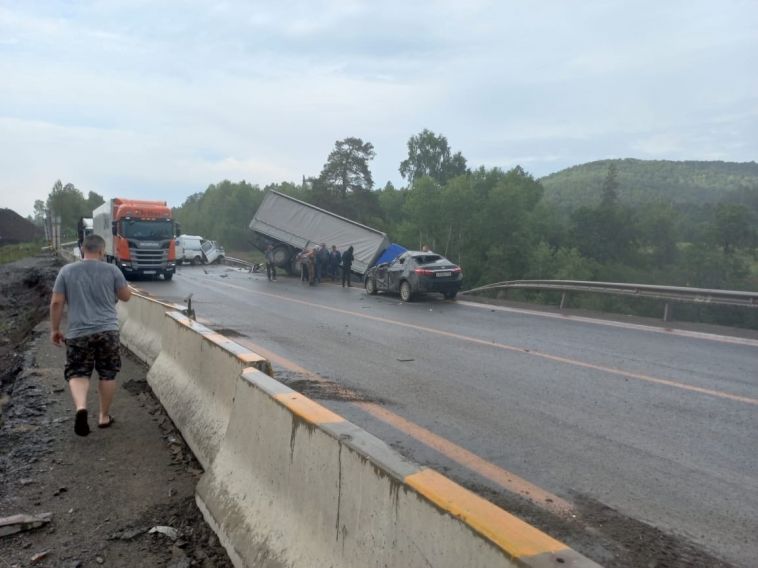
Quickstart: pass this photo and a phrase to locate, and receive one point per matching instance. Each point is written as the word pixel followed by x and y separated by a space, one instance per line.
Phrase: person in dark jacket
pixel 270 266
pixel 335 258
pixel 322 262
pixel 347 265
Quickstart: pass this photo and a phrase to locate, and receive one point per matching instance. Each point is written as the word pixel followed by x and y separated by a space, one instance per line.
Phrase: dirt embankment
pixel 25 288
pixel 15 229
pixel 102 494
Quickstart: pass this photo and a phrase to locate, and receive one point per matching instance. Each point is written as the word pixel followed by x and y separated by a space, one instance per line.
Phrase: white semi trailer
pixel 291 225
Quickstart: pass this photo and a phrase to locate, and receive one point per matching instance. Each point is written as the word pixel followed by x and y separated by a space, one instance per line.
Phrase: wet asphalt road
pixel 663 428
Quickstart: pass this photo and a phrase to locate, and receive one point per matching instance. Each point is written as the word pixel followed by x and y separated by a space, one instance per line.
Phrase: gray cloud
pixel 165 98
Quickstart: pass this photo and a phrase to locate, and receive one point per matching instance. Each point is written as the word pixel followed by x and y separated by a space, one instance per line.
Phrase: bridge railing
pixel 237 262
pixel 666 293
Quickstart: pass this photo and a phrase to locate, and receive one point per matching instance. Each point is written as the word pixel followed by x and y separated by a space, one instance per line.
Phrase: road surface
pixel 609 436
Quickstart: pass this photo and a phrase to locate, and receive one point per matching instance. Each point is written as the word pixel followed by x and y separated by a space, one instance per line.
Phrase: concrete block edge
pixel 519 540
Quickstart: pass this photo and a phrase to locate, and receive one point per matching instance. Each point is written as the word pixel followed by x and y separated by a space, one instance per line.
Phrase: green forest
pixel 649 181
pixel 656 222
pixel 674 223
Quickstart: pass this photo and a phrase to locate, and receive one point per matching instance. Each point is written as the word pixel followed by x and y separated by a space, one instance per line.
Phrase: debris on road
pixel 22 522
pixel 170 532
pixel 39 556
pixel 128 534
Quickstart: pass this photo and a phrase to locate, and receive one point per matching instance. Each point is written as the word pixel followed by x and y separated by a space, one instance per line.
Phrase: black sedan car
pixel 415 272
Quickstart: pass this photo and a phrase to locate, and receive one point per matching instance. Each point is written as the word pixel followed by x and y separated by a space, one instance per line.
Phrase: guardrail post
pixel 563 301
pixel 667 311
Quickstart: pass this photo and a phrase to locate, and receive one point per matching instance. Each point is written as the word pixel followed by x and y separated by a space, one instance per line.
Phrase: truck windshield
pixel 148 229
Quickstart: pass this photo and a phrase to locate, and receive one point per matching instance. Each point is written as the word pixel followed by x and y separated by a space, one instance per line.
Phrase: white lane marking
pixel 504 346
pixel 619 324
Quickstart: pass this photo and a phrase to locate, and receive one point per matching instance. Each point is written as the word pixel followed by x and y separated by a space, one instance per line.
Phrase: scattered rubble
pixel 22 522
pixel 103 493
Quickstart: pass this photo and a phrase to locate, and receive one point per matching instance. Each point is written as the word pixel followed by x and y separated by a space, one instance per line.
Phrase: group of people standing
pixel 317 264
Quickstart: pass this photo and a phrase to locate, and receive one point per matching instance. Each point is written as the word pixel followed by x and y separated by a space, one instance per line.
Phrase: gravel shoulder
pixel 105 491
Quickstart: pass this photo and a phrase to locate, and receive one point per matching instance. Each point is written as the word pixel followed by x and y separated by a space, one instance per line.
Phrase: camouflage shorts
pixel 100 351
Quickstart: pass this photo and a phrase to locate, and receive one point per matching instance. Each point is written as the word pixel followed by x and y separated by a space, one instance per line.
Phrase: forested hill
pixel 645 181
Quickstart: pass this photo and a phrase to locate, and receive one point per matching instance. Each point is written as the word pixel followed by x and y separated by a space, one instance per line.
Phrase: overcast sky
pixel 160 99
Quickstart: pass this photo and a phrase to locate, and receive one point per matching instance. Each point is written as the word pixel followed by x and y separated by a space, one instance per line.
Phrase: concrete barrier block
pixel 294 484
pixel 195 376
pixel 141 321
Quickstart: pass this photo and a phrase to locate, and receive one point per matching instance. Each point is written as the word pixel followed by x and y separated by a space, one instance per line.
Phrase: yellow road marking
pixel 502 477
pixel 458 454
pixel 513 348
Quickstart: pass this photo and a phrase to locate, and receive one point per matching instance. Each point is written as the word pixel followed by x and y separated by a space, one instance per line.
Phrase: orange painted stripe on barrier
pixel 186 322
pixel 250 357
pixel 517 538
pixel 146 296
pixel 308 410
pixel 217 338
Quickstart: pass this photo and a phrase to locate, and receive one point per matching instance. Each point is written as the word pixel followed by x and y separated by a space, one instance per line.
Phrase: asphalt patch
pixel 324 389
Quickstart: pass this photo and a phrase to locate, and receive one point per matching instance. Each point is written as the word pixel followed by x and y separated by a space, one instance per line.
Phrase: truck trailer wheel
pixel 281 255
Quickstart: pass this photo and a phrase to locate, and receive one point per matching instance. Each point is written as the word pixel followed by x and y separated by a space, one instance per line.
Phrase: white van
pixel 189 248
pixel 197 250
pixel 212 252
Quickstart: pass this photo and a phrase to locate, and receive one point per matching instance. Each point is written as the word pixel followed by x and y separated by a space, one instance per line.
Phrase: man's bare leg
pixel 79 387
pixel 106 389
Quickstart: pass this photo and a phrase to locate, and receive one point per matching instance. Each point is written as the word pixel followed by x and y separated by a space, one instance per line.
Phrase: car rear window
pixel 427 258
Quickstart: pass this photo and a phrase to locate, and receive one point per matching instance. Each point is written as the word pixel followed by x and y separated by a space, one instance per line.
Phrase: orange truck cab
pixel 139 236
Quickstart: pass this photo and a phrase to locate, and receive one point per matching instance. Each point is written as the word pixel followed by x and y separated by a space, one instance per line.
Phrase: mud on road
pixel 105 492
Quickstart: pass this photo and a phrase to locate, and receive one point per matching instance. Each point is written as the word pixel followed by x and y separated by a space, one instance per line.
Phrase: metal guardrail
pixel 237 261
pixel 666 293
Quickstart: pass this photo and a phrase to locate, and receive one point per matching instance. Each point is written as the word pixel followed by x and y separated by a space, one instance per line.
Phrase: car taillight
pixel 456 270
pixel 424 272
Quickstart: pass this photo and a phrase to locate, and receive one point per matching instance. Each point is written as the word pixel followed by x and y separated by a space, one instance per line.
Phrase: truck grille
pixel 142 258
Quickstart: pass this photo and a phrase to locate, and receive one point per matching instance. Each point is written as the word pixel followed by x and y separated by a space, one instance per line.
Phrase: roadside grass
pixel 11 253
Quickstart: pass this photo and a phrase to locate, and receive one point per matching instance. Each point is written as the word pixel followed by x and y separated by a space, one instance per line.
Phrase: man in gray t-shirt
pixel 91 289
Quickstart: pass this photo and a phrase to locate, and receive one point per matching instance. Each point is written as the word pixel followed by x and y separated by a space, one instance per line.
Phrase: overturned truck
pixel 291 225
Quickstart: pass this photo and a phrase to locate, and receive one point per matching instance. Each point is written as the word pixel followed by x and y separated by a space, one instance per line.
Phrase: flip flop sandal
pixel 81 427
pixel 108 424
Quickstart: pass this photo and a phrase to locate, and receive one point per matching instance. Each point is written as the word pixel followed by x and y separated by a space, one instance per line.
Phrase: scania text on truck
pixel 139 236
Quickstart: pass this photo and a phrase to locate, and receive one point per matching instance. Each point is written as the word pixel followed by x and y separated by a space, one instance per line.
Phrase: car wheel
pixel 196 260
pixel 451 295
pixel 405 291
pixel 370 286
